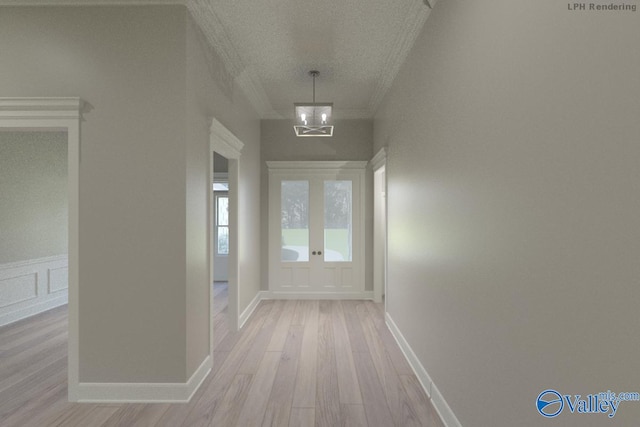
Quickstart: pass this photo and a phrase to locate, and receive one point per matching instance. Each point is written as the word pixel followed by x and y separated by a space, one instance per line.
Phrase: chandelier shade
pixel 313 118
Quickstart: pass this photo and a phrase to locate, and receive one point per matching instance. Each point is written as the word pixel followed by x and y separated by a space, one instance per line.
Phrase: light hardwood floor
pixel 295 363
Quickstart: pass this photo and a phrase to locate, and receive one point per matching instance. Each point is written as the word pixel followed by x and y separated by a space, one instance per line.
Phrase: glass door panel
pixel 294 221
pixel 338 221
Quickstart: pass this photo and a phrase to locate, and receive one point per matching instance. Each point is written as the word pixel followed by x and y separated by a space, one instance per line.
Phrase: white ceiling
pixel 357 45
pixel 269 46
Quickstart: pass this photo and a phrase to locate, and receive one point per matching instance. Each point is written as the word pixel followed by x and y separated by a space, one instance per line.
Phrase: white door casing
pixel 317 260
pixel 378 165
pixel 225 143
pixel 63 114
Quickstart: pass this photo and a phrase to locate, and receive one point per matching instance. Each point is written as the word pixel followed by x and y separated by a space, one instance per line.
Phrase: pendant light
pixel 313 119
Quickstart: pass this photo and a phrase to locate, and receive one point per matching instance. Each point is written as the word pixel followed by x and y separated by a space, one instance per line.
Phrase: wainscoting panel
pixel 14 290
pixel 32 286
pixel 58 279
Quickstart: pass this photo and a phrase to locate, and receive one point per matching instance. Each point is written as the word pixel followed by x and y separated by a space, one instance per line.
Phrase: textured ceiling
pixel 354 44
pixel 357 46
pixel 269 46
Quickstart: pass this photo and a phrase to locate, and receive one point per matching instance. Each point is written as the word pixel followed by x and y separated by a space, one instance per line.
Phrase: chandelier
pixel 313 119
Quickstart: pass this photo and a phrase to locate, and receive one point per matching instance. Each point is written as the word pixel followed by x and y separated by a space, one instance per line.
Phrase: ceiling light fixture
pixel 313 119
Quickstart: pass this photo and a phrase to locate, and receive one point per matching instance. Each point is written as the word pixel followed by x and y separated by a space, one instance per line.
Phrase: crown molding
pixel 250 85
pixel 412 25
pixel 42 108
pixel 223 141
pixel 379 159
pixel 313 165
pixel 245 77
pixel 211 25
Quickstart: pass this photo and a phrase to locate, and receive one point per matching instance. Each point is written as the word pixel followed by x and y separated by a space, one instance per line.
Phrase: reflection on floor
pixel 220 320
pixel 294 363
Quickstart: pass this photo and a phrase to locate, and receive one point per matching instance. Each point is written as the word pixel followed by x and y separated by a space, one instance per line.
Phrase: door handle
pixel 313 253
pixel 319 252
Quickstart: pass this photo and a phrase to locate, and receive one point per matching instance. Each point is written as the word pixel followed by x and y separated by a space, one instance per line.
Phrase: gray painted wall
pixel 210 94
pixel 129 64
pixel 352 140
pixel 220 164
pixel 513 190
pixel 143 175
pixel 33 206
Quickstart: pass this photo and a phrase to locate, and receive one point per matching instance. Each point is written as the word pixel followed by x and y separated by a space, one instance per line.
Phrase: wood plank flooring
pixel 295 363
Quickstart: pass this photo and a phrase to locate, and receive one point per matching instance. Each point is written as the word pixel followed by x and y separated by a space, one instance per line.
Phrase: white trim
pixel 252 88
pixel 315 166
pixel 246 314
pixel 204 14
pixel 210 24
pixel 145 392
pixel 30 262
pixel 33 309
pixel 58 113
pixel 437 400
pixel 364 295
pixel 413 23
pixel 40 109
pixel 355 170
pixel 226 143
pixel 379 160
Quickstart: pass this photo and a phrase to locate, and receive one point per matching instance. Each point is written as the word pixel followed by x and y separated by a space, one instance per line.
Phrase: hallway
pixel 295 363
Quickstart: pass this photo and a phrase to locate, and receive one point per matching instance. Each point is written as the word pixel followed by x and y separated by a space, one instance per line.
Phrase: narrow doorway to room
pixel 220 247
pixel 380 227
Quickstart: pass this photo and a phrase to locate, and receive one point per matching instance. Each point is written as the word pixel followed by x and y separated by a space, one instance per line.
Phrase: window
pixel 222 225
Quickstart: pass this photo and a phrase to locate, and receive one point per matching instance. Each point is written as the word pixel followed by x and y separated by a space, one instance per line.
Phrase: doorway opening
pixel 316 229
pixel 56 116
pixel 379 163
pixel 224 153
pixel 220 248
pixel 220 219
pixel 34 222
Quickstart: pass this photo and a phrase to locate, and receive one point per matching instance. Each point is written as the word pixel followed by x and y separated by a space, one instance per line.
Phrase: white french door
pixel 316 228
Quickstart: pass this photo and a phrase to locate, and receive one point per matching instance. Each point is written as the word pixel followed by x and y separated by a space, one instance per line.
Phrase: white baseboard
pixel 365 295
pixel 442 408
pixel 250 309
pixel 32 310
pixel 32 286
pixel 142 392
